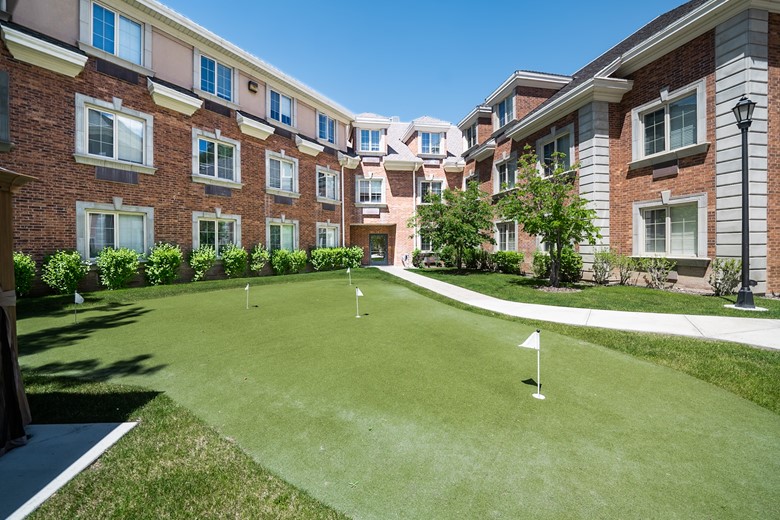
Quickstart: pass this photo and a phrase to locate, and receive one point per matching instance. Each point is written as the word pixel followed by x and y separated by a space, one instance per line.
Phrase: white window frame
pixel 421 182
pixel 421 245
pixel 217 63
pixel 379 143
pixel 330 139
pixel 82 155
pixel 471 136
pixel 281 156
pixel 639 208
pixel 328 226
pixel 293 108
pixel 198 216
pixel 269 222
pixel 84 209
pixel 699 88
pixel 430 144
pixel 509 162
pixel 217 138
pixel 325 171
pixel 369 180
pixel 509 226
pixel 554 136
pixel 510 111
pixel 117 15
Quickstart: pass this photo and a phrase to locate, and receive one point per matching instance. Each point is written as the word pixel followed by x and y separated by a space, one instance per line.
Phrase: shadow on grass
pixel 72 333
pixel 91 369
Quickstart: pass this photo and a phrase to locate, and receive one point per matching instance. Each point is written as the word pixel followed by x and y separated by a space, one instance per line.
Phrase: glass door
pixel 377 247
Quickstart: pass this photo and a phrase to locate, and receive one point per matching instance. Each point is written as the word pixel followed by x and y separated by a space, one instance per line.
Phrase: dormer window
pixel 369 140
pixel 471 136
pixel 116 34
pixel 430 143
pixel 505 111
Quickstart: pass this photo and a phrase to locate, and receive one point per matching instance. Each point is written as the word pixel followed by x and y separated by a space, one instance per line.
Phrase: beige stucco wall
pixel 307 119
pixel 172 59
pixel 252 102
pixel 57 18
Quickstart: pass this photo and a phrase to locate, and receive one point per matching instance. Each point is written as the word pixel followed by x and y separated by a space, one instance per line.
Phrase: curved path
pixel 751 331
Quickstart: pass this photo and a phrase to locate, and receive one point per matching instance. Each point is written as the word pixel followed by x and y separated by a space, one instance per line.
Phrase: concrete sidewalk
pixel 751 331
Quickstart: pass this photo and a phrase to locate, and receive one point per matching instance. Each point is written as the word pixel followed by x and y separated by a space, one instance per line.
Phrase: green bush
pixel 287 262
pixel 417 258
pixel 725 276
pixel 117 266
pixel 234 259
pixel 329 258
pixel 658 269
pixel 24 272
pixel 602 266
pixel 352 257
pixel 448 256
pixel 201 260
pixel 163 263
pixel 571 265
pixel 63 271
pixel 259 257
pixel 509 262
pixel 541 264
pixel 625 266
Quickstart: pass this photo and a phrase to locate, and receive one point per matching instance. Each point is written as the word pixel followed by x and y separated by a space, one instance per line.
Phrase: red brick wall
pixel 528 98
pixel 773 163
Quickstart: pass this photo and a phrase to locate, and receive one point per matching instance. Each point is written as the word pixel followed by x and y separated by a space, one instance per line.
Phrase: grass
pixel 172 465
pixel 613 297
pixel 433 420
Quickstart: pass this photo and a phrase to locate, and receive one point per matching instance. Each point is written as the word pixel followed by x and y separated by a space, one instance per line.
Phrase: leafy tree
pixel 461 219
pixel 550 207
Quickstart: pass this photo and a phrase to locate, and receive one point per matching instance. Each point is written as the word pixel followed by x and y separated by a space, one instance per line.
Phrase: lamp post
pixel 743 111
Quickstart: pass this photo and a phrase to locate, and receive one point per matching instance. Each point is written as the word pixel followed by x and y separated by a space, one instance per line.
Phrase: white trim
pixel 113 58
pixel 282 222
pixel 358 180
pixel 326 225
pixel 474 115
pixel 293 106
pixel 482 151
pixel 430 127
pixel 281 156
pixel 508 159
pixel 382 141
pixel 372 123
pixel 523 78
pixel 173 99
pixel 217 138
pixel 254 128
pixel 308 147
pixel 497 125
pixel 421 180
pixel 83 208
pixel 335 142
pixel 40 53
pixel 401 165
pixel 497 235
pixel 197 82
pixel 197 216
pixel 552 137
pixel 324 170
pixel 638 229
pixel 86 39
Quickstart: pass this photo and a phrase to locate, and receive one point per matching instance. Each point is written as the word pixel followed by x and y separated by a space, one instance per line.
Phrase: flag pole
pixel 247 296
pixel 538 393
pixel 357 303
pixel 349 272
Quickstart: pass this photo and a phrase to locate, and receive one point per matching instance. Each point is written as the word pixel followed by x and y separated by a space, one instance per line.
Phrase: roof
pixel 397 150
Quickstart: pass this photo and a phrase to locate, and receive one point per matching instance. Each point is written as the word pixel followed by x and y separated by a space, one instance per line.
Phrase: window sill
pixel 679 153
pixel 225 183
pixel 282 193
pixel 327 143
pixel 685 261
pixel 283 126
pixel 432 155
pixel 116 60
pixel 114 163
pixel 371 154
pixel 325 200
pixel 370 205
pixel 215 99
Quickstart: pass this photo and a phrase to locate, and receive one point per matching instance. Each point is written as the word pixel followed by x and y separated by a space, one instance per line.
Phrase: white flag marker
pixel 78 300
pixel 358 294
pixel 533 342
pixel 247 295
pixel 349 272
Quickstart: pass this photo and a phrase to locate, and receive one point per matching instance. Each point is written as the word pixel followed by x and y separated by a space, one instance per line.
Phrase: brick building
pixel 142 126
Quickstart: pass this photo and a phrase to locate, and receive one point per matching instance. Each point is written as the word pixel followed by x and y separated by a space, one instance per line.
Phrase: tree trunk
pixel 555 265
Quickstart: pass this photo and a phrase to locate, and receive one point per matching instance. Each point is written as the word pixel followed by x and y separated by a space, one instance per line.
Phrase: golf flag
pixel 358 292
pixel 348 270
pixel 531 342
pixel 349 274
pixel 247 295
pixel 247 287
pixel 78 299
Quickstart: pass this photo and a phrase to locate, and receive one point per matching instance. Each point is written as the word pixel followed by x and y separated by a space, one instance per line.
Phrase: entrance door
pixel 377 249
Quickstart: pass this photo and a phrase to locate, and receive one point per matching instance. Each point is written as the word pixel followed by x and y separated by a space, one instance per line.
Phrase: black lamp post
pixel 743 111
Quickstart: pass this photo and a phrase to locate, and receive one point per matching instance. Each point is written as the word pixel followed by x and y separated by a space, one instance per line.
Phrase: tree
pixel 462 219
pixel 550 207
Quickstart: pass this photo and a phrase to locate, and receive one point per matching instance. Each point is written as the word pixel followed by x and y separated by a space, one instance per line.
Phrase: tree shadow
pixel 91 369
pixel 67 335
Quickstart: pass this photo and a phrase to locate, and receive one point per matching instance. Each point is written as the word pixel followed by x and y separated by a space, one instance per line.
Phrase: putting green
pixel 419 410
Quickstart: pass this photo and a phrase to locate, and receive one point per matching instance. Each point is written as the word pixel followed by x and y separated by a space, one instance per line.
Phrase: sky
pixel 410 58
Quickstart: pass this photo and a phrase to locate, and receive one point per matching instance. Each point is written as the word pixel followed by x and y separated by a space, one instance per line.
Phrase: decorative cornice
pixel 396 165
pixel 29 49
pixel 12 181
pixel 454 165
pixel 432 127
pixel 348 161
pixel 173 99
pixel 254 128
pixel 476 113
pixel 372 123
pixel 522 78
pixel 483 151
pixel 308 147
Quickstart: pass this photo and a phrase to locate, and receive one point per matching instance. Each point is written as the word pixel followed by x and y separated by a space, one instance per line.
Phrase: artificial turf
pixel 420 410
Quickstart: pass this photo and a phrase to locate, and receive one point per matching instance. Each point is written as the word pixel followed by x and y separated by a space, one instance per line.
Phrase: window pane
pixel 101 232
pixel 331 130
pixel 364 187
pixel 226 230
pixel 562 146
pixel 129 40
pixel 208 233
pixel 364 140
pixel 275 106
pixel 426 142
pixel 206 157
pixel 682 122
pixel 207 74
pixel 684 223
pixel 131 232
pixel 547 157
pixel 224 81
pixel 376 190
pixel 130 139
pixel 275 173
pixel 101 133
pixel 654 132
pixel 286 110
pixel 374 140
pixel 275 240
pixel 435 143
pixel 225 162
pixel 102 28
pixel 288 232
pixel 323 126
pixel 287 176
pixel 655 231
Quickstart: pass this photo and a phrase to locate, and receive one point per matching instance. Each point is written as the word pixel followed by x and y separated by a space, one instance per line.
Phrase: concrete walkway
pixel 752 331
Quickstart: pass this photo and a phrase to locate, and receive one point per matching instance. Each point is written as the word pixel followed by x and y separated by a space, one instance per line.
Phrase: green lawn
pixel 613 297
pixel 419 409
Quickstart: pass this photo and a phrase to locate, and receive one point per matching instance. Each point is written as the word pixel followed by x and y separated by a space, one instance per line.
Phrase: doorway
pixel 377 249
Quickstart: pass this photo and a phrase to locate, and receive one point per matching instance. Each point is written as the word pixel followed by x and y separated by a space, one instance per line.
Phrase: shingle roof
pixel 398 151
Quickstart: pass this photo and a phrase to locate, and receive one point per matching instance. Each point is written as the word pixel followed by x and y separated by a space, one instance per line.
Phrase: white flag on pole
pixel 532 341
pixel 348 270
pixel 358 292
pixel 247 287
pixel 78 298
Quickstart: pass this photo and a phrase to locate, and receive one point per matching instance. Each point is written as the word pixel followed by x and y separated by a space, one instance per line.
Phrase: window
pixel 115 136
pixel 370 191
pixel 506 175
pixel 505 236
pixel 471 136
pixel 671 230
pixel 431 143
pixel 327 184
pixel 216 78
pixel 216 233
pixel 281 108
pixel 282 172
pixel 559 145
pixel 505 111
pixel 425 243
pixel 369 140
pixel 327 128
pixel 430 191
pixel 115 230
pixel 282 235
pixel 122 38
pixel 216 159
pixel 327 235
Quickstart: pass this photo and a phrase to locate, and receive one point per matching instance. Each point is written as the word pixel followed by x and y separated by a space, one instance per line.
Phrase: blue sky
pixel 411 58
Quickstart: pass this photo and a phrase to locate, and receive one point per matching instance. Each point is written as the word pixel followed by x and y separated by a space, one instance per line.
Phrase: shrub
pixel 63 271
pixel 417 258
pixel 201 260
pixel 658 269
pixel 286 262
pixel 571 265
pixel 448 255
pixel 24 272
pixel 602 266
pixel 625 266
pixel 163 263
pixel 352 256
pixel 725 276
pixel 541 264
pixel 259 257
pixel 117 266
pixel 234 259
pixel 324 259
pixel 509 262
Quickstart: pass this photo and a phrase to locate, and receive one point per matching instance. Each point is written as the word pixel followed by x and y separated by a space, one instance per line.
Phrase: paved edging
pixel 750 331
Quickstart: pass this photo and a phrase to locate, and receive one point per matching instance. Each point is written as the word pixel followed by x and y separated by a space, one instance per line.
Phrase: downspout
pixel 343 203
